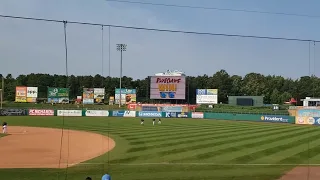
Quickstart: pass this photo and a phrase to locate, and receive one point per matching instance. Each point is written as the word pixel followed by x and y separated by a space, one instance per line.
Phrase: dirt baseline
pixel 302 173
pixel 32 147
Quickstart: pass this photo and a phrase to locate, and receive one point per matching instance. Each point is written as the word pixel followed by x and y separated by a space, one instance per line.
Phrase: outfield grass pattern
pixel 183 149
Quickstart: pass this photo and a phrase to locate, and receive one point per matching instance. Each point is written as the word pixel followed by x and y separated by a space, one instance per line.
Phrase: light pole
pixel 121 48
pixel 1 98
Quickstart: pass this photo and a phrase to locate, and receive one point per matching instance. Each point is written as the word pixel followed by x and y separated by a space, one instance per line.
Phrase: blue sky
pixel 38 47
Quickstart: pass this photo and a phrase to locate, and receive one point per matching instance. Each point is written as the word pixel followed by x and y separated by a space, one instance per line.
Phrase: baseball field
pixel 178 149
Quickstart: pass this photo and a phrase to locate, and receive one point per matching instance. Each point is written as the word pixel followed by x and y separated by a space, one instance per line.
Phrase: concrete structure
pixel 309 101
pixel 245 100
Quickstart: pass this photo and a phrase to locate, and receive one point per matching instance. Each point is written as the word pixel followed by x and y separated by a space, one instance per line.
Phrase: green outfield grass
pixel 182 149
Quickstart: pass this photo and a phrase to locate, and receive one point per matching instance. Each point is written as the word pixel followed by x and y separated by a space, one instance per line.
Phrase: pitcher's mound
pixel 302 173
pixel 32 147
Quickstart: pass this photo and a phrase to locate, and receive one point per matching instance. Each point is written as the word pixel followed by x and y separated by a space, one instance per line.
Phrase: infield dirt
pixel 32 147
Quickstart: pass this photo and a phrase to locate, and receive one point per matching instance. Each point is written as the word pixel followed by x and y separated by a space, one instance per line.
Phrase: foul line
pixel 198 164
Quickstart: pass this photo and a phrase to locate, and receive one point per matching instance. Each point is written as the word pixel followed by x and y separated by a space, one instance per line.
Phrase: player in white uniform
pixel 159 121
pixel 4 127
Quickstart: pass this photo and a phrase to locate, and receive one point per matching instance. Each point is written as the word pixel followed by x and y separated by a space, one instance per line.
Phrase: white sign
pixel 197 115
pixel 32 92
pixel 207 99
pixel 69 113
pixel 99 113
pixel 41 112
pixel 129 114
pixel 99 93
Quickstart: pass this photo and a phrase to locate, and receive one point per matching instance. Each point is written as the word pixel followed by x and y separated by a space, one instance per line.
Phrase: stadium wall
pixel 150 114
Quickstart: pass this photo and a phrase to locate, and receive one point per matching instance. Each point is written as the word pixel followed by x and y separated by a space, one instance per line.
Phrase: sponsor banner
pixel 97 113
pixel 41 112
pixel 182 115
pixel 168 87
pixel 308 116
pixel 58 92
pixel 87 96
pixel 58 100
pixel 99 95
pixel 272 118
pixel 149 114
pixel 32 92
pixel 171 108
pixel 118 113
pixel 13 112
pixel 69 113
pixel 127 96
pixel 129 114
pixel 171 115
pixel 21 94
pixel 197 115
pixel 176 115
pixel 207 96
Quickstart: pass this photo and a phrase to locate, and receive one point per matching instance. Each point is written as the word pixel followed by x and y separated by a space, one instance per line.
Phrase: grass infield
pixel 182 149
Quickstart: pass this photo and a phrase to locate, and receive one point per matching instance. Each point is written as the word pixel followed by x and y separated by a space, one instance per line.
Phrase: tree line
pixel 275 89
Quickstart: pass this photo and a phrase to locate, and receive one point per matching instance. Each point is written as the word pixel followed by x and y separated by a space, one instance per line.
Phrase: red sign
pixel 41 112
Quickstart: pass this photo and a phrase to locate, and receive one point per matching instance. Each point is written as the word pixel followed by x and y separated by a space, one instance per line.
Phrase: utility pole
pixel 121 48
pixel 2 92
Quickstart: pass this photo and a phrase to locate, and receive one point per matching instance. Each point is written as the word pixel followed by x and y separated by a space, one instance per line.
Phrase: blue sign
pixel 171 115
pixel 278 119
pixel 201 92
pixel 182 114
pixel 171 109
pixel 309 112
pixel 149 114
pixel 126 91
pixel 118 113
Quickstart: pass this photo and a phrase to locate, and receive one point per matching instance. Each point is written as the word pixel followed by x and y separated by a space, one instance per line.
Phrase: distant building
pixel 309 101
pixel 245 100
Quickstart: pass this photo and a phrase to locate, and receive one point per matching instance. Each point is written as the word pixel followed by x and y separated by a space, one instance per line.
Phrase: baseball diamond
pixel 175 149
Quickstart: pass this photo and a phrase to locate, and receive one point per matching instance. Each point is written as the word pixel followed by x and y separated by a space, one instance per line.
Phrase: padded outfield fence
pixel 148 114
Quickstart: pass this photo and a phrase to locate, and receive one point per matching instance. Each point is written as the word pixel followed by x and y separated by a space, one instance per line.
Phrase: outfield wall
pixel 148 114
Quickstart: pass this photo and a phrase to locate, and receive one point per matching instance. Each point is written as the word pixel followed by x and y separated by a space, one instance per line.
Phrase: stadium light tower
pixel 121 48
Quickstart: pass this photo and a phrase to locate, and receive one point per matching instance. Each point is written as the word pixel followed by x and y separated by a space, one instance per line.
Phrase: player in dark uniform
pixel 153 121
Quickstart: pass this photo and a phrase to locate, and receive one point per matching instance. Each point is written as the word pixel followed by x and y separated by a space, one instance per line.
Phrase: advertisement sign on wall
pixel 97 113
pixel 149 114
pixel 41 112
pixel 32 94
pixel 99 95
pixel 13 112
pixel 271 118
pixel 21 94
pixel 118 113
pixel 127 96
pixel 69 113
pixel 129 114
pixel 58 95
pixel 207 96
pixel 168 87
pixel 308 116
pixel 197 115
pixel 87 96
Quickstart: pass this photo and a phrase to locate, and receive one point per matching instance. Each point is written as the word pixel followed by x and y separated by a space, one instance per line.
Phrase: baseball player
pixel 153 121
pixel 4 127
pixel 159 121
pixel 142 121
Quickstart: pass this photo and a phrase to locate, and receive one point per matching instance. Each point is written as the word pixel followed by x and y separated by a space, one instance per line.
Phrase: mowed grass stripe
pixel 179 150
pixel 188 134
pixel 194 172
pixel 243 142
pixel 226 140
pixel 174 141
pixel 298 154
pixel 198 128
pixel 297 140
